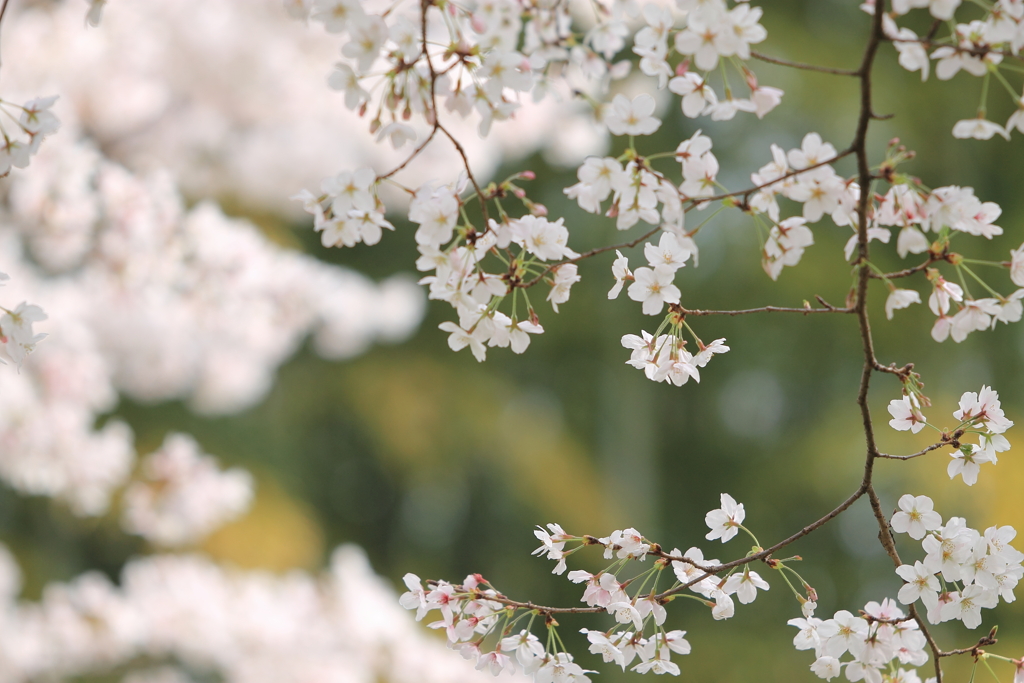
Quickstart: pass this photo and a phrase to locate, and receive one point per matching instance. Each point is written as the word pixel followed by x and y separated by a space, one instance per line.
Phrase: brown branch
pixel 907 272
pixel 693 202
pixel 751 190
pixel 974 650
pixel 767 552
pixel 871 363
pixel 923 451
pixel 806 67
pixel 469 171
pixel 979 51
pixel 768 309
pixel 415 153
pixel 588 254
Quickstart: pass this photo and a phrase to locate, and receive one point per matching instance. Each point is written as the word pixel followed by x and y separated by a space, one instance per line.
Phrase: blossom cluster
pixel 498 52
pixel 977 47
pixel 963 570
pixel 881 639
pixel 18 337
pixel 979 413
pixel 34 121
pixel 480 621
pixel 182 495
pixel 155 301
pixel 170 616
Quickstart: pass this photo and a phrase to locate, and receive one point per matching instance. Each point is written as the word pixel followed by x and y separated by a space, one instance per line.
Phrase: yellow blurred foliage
pixel 427 417
pixel 278 533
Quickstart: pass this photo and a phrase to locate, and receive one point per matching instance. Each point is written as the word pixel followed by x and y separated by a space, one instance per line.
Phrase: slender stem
pixel 806 67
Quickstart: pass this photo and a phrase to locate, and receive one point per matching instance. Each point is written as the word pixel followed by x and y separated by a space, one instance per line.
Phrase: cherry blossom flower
pixel 979 129
pixel 653 286
pixel 669 252
pixel 601 644
pixel 826 667
pixel 765 98
pixel 621 273
pixel 906 415
pixel 966 462
pixel 725 521
pixel 900 298
pixel 916 516
pixel 565 276
pixel 460 338
pixel 17 336
pixel 626 117
pixel 626 613
pixel 698 97
pixel 966 605
pixel 745 585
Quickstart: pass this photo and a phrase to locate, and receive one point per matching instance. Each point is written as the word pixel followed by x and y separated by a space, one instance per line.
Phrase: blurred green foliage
pixel 441 466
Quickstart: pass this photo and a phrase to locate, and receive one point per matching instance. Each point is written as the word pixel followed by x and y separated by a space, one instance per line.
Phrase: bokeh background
pixel 441 466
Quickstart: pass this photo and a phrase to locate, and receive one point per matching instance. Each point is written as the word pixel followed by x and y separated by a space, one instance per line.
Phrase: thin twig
pixel 806 67
pixel 769 309
pixel 907 272
pixel 923 451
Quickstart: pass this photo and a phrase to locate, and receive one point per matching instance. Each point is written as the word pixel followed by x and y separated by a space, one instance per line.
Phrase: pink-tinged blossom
pixel 916 516
pixel 983 407
pixel 496 662
pixel 967 605
pixel 17 336
pixel 725 521
pixel 706 352
pixel 626 544
pixel 906 415
pixel 697 95
pixel 942 293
